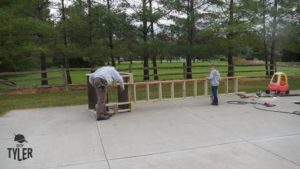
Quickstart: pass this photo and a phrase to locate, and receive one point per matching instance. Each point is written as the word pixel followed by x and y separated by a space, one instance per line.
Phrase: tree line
pixel 89 33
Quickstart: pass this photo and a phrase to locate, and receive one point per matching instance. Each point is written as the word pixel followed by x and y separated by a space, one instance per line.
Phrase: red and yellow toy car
pixel 278 84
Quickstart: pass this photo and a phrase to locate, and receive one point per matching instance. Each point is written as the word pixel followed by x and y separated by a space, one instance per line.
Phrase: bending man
pixel 100 79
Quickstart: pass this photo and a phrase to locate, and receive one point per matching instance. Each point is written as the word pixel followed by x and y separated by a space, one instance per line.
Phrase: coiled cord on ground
pixel 240 102
pixel 255 105
pixel 277 111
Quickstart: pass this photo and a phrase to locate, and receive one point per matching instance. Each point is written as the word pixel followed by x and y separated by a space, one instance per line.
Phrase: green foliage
pixel 290 42
pixel 20 28
pixel 200 31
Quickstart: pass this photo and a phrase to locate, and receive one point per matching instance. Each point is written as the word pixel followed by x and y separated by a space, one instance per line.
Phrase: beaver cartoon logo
pixel 20 152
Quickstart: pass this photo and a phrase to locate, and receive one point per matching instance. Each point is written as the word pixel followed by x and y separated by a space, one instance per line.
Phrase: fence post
pixel 226 86
pixel 134 92
pixel 129 68
pixel 183 89
pixel 236 84
pixel 205 87
pixel 64 78
pixel 160 91
pixel 148 92
pixel 123 96
pixel 195 88
pixel 184 70
pixel 172 90
pixel 130 81
pixel 92 97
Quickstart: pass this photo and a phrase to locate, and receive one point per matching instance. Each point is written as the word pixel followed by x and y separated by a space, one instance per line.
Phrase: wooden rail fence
pixel 130 95
pixel 9 80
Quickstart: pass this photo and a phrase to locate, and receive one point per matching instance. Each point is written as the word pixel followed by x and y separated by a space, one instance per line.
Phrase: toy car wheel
pixel 287 92
pixel 268 91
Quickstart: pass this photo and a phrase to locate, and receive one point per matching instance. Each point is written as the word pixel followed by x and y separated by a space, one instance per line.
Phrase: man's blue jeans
pixel 214 92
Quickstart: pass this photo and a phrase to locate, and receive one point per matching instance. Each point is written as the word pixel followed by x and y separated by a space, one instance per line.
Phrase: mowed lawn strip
pixel 26 101
pixel 67 98
pixel 79 77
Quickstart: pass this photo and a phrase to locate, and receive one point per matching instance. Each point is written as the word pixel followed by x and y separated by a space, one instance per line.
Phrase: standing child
pixel 214 78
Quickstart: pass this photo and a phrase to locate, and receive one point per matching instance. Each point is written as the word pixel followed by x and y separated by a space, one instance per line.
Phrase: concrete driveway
pixel 176 134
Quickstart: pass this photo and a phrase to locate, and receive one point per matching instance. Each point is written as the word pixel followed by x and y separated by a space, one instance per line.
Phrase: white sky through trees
pixel 56 5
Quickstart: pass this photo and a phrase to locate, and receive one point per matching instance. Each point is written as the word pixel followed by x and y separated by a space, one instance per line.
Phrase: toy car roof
pixel 279 73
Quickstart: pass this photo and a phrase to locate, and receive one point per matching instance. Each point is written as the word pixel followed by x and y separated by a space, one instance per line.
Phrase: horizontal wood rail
pixel 179 71
pixel 116 105
pixel 124 97
pixel 28 72
pixel 194 82
pixel 133 90
pixel 35 79
pixel 197 66
pixel 10 81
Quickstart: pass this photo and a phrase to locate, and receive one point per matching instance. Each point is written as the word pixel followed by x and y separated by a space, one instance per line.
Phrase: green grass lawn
pixel 66 98
pixel 79 77
pixel 10 102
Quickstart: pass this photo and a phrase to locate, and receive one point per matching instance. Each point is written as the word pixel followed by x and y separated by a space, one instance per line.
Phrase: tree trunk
pixel 265 39
pixel 113 63
pixel 89 3
pixel 230 62
pixel 130 59
pixel 66 58
pixel 229 38
pixel 67 66
pixel 191 32
pixel 44 80
pixel 146 65
pixel 188 67
pixel 110 36
pixel 273 41
pixel 155 69
pixel 154 63
pixel 145 34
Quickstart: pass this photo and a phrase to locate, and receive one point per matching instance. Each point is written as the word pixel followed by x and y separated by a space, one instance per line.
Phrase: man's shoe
pixel 103 117
pixel 215 104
